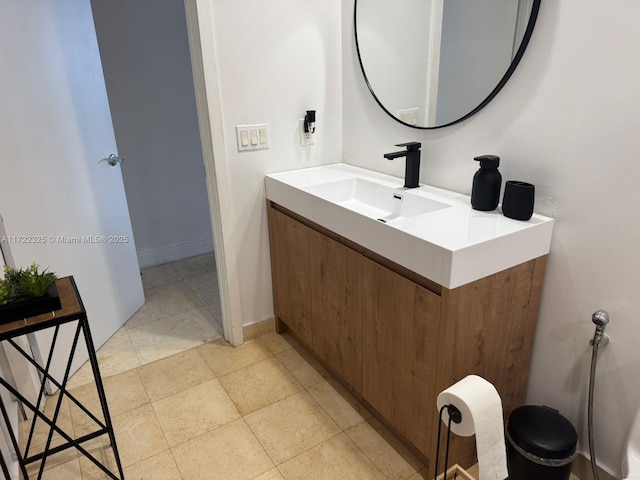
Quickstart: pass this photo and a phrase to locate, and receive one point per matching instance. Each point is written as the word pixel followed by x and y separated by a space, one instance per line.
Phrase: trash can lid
pixel 542 431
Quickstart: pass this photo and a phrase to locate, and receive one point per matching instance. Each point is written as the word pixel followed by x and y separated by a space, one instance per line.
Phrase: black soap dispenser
pixel 485 193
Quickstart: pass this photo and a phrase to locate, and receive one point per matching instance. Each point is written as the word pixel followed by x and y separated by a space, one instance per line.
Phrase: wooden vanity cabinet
pixel 395 338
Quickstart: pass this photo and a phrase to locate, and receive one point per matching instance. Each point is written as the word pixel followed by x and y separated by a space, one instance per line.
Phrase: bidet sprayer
pixel 600 318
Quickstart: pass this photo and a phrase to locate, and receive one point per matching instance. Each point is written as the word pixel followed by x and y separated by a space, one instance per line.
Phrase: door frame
pixel 433 70
pixel 199 16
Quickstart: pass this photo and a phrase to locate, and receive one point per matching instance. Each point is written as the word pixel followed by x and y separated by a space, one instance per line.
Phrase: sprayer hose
pixel 592 377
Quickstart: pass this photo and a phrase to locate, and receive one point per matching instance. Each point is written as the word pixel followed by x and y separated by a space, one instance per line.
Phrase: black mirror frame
pixel 514 63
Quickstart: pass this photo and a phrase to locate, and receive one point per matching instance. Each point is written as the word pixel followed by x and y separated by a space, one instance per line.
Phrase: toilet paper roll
pixel 481 409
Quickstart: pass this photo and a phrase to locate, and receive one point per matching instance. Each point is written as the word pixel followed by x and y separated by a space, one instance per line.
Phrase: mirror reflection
pixel 431 63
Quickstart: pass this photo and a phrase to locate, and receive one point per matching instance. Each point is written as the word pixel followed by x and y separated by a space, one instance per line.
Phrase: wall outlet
pixel 304 138
pixel 253 137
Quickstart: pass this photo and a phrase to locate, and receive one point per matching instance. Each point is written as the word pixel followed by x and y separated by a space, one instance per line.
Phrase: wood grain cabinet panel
pixel 487 329
pixel 290 272
pixel 400 351
pixel 336 303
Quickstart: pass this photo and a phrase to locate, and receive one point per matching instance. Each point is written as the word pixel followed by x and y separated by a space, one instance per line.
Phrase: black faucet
pixel 412 164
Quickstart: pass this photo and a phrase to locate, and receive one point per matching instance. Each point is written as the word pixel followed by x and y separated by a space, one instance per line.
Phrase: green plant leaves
pixel 19 284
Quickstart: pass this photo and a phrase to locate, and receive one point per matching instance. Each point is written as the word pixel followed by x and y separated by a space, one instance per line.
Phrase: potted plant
pixel 27 292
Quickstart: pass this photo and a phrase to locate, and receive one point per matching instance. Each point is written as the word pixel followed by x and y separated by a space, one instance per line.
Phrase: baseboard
pixel 259 329
pixel 582 469
pixel 171 253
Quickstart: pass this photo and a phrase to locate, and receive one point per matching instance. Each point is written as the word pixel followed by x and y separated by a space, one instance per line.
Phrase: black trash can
pixel 541 444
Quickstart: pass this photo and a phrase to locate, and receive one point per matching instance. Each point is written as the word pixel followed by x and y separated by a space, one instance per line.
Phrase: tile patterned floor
pixel 181 311
pixel 263 411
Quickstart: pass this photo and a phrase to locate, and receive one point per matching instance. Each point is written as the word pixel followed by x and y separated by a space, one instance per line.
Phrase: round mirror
pixel 433 63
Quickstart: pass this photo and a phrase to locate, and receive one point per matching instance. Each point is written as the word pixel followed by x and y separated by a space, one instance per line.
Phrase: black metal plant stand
pixel 72 311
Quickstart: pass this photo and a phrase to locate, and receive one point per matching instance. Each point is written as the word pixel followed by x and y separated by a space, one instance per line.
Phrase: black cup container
pixel 518 200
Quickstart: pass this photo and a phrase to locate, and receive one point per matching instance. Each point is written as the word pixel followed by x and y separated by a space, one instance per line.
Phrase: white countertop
pixel 452 246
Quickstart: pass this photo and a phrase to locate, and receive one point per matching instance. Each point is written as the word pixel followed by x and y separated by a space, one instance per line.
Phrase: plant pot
pixel 48 302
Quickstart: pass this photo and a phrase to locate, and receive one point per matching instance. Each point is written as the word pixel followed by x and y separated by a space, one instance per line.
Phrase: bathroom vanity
pixel 401 293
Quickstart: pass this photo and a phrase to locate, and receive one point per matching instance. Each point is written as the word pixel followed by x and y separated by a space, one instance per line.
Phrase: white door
pixel 64 207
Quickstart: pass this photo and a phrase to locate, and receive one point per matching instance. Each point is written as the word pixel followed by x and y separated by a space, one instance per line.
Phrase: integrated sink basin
pixel 375 200
pixel 430 231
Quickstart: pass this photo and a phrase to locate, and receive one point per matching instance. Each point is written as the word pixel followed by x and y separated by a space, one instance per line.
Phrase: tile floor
pixel 263 411
pixel 182 311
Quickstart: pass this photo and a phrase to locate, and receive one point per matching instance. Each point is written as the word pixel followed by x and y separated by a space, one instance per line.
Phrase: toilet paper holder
pixel 455 416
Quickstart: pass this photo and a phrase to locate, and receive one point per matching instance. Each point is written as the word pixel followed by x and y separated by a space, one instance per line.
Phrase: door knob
pixel 115 159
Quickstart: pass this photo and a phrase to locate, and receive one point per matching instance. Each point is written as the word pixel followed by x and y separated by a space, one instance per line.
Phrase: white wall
pixel 145 56
pixel 389 33
pixel 476 47
pixel 568 122
pixel 275 60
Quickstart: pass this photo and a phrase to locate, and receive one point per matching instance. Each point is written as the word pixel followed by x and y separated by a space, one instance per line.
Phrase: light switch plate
pixel 408 115
pixel 253 137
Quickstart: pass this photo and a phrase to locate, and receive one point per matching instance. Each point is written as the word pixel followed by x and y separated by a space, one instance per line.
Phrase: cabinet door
pixel 400 348
pixel 336 290
pixel 290 271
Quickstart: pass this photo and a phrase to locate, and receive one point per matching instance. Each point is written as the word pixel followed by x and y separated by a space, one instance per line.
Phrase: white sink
pixel 431 231
pixel 374 200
